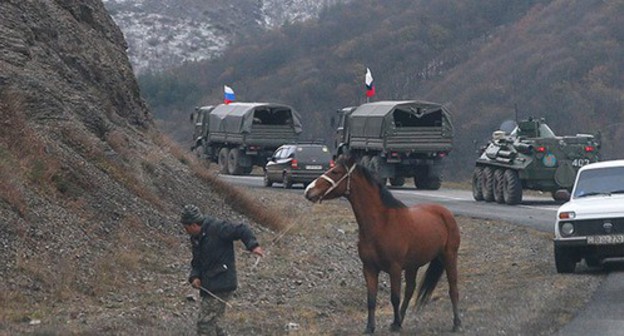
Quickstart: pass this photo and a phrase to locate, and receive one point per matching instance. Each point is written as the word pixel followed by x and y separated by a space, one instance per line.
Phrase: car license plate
pixel 605 240
pixel 314 167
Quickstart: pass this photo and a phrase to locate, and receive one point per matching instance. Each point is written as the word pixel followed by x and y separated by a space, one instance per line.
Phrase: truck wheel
pixel 428 183
pixel 397 181
pixel 234 167
pixel 286 181
pixel 375 168
pixel 477 176
pixel 512 187
pixel 487 184
pixel 365 161
pixel 499 183
pixel 200 152
pixel 565 260
pixel 223 160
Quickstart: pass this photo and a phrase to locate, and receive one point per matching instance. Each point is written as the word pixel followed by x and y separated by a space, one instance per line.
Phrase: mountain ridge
pixel 162 35
pixel 490 60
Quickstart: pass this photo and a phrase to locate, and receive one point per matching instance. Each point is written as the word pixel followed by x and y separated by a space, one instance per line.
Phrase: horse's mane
pixel 386 196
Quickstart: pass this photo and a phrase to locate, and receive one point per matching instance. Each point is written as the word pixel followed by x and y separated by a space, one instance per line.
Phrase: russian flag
pixel 228 94
pixel 370 86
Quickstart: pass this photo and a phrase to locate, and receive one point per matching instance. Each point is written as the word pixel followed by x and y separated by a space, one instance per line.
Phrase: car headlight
pixel 567 215
pixel 567 229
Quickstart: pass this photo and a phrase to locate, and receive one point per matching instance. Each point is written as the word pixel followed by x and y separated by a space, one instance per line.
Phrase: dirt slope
pixel 90 190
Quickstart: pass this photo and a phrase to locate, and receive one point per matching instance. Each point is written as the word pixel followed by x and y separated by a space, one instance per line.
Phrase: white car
pixel 590 225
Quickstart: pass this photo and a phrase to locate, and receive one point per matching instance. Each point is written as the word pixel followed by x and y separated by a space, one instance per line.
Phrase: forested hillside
pixel 490 60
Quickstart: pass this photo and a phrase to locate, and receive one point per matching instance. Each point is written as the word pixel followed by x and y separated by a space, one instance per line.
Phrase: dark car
pixel 297 163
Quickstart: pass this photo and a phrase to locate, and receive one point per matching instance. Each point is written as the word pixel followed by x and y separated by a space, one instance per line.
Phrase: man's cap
pixel 191 215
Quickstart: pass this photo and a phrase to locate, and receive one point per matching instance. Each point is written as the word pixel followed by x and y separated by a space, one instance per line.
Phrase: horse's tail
pixel 432 276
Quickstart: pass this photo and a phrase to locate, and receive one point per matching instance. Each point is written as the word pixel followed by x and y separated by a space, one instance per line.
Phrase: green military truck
pixel 239 136
pixel 528 155
pixel 397 139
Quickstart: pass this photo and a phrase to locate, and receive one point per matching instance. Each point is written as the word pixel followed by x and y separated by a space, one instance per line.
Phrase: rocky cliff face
pixel 67 59
pixel 163 34
pixel 89 189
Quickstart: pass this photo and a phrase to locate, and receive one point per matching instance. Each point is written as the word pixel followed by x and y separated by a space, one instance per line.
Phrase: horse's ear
pixel 346 151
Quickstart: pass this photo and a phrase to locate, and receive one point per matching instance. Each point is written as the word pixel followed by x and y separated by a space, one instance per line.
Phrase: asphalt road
pixel 603 315
pixel 536 212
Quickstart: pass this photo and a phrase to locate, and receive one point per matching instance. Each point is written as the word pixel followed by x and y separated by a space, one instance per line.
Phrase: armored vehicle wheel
pixel 487 184
pixel 499 184
pixel 397 181
pixel 286 182
pixel 559 198
pixel 266 180
pixel 477 192
pixel 512 187
pixel 565 260
pixel 375 167
pixel 234 159
pixel 223 160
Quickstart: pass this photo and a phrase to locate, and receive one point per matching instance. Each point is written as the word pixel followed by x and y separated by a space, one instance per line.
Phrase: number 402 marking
pixel 580 162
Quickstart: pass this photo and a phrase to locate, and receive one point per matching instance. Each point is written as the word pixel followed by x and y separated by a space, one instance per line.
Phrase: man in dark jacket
pixel 213 268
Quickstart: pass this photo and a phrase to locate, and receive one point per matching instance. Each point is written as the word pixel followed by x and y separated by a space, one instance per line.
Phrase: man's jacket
pixel 213 254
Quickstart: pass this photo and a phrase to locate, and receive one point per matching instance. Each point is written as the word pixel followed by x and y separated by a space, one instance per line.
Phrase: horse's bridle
pixel 335 184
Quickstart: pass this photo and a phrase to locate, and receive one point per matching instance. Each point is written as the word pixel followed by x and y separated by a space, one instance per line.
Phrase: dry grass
pixel 119 170
pixel 32 164
pixel 266 215
pixel 10 189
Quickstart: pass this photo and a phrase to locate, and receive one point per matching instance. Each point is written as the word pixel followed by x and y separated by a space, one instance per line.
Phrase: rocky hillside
pixel 90 190
pixel 163 34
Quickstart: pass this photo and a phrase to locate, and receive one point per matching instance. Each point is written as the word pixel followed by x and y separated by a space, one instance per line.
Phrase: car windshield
pixel 601 181
pixel 313 152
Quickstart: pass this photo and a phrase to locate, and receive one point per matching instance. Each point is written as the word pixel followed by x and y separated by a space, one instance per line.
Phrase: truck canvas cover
pixel 378 119
pixel 240 117
pixel 412 126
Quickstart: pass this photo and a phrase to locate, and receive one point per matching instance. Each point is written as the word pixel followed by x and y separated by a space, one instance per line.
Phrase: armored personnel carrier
pixel 529 156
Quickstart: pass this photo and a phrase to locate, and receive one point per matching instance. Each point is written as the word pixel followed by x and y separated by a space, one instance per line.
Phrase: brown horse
pixel 394 238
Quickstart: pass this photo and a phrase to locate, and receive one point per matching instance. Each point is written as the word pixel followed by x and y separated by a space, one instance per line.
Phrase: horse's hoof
pixel 369 331
pixel 395 327
pixel 457 325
